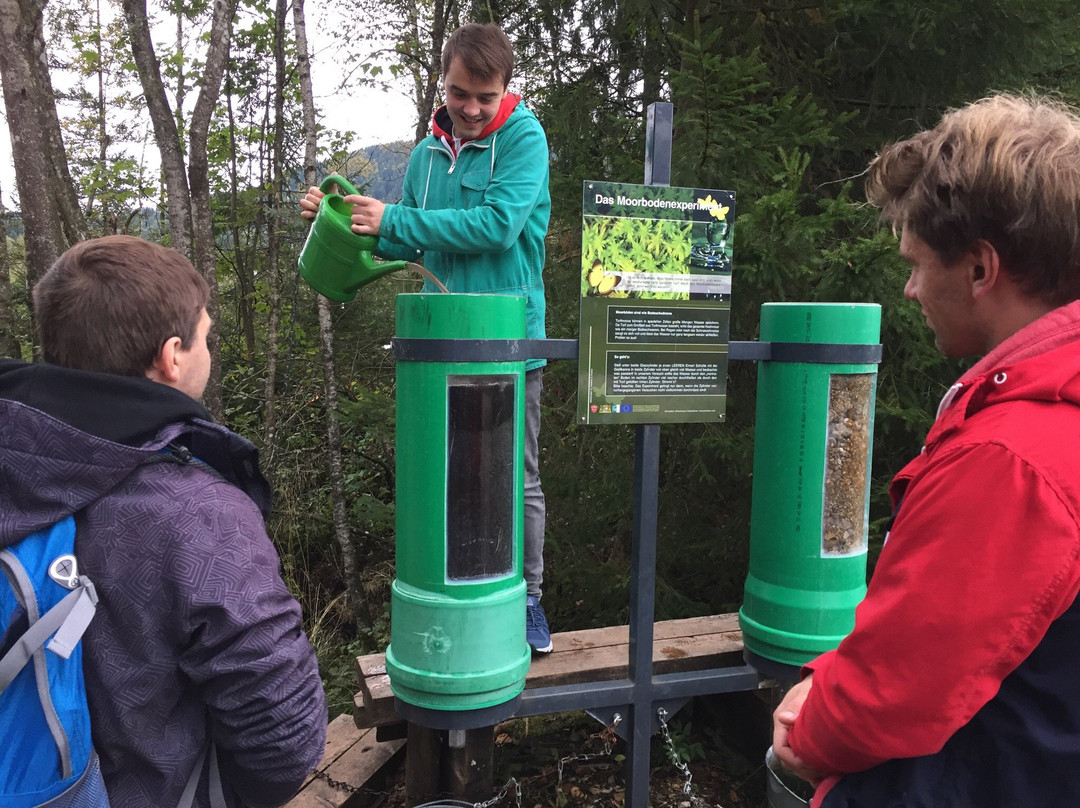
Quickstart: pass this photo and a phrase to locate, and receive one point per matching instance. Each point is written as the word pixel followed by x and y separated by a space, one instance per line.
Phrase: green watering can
pixel 336 261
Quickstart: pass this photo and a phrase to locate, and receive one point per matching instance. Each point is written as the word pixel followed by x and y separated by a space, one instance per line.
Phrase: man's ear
pixel 166 365
pixel 984 268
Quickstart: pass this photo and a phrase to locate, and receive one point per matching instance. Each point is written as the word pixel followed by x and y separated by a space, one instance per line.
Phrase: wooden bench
pixel 592 655
pixel 360 746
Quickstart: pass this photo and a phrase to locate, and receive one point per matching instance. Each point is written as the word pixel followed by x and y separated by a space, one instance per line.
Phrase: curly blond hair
pixel 1005 169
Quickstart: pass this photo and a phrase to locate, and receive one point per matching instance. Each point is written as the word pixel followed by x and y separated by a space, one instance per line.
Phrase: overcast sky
pixel 374 116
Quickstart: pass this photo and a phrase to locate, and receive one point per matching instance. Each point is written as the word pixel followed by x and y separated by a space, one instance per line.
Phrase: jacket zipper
pixel 453 157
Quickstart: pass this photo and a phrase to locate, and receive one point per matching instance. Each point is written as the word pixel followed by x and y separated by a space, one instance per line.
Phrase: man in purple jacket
pixel 196 636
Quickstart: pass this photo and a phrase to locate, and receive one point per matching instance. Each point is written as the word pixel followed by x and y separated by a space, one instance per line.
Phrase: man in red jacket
pixel 960 683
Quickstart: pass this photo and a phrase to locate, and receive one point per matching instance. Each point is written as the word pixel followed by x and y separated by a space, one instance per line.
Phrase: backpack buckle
pixel 65 571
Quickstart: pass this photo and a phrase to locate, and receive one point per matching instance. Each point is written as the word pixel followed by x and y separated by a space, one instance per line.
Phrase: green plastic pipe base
pixel 462 654
pixel 785 647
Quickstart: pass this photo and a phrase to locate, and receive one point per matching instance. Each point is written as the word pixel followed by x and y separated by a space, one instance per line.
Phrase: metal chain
pixel 343 786
pixel 673 756
pixel 582 758
pixel 607 735
pixel 498 797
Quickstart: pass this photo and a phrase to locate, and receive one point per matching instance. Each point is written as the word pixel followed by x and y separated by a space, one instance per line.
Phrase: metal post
pixel 642 610
pixel 658 143
pixel 646 497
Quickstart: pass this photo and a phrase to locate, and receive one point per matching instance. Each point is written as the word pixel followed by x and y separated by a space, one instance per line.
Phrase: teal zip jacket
pixel 479 218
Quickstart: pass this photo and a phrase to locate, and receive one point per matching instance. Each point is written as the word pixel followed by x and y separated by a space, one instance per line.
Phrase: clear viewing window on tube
pixel 480 476
pixel 847 464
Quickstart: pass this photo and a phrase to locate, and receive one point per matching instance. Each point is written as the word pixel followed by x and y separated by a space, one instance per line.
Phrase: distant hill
pixel 389 161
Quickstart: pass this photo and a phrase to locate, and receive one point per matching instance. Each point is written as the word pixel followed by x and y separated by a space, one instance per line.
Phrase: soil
pixel 571 761
pixel 846 463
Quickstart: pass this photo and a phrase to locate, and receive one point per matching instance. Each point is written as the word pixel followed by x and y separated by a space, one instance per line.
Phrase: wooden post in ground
pixel 471 764
pixel 423 765
pixel 458 763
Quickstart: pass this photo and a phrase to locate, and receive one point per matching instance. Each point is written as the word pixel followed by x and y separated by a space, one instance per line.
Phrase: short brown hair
pixel 1005 169
pixel 109 304
pixel 485 52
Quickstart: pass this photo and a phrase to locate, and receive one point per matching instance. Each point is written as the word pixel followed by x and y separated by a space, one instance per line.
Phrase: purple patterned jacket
pixel 195 629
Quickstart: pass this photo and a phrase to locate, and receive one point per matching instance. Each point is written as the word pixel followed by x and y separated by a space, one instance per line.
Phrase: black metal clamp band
pixel 482 350
pixel 518 350
pixel 817 353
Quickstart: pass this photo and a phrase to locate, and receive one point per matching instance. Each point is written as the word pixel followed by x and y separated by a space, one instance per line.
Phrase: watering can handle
pixel 390 266
pixel 340 182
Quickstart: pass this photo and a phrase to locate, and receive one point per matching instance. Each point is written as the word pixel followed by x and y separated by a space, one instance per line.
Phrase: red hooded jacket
pixel 982 559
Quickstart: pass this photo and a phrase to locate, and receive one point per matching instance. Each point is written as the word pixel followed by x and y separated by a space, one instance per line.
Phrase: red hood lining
pixel 444 129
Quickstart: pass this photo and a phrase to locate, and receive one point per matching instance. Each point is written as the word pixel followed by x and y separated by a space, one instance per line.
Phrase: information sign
pixel 655 301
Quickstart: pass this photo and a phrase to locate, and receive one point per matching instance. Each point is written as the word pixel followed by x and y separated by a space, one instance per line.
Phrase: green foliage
pixel 802 234
pixel 20 322
pixel 783 104
pixel 100 117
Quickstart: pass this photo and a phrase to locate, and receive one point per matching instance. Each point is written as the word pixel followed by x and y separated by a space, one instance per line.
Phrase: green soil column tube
pixel 809 512
pixel 457 652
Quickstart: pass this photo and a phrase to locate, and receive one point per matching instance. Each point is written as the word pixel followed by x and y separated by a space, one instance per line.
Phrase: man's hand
pixel 309 205
pixel 783 719
pixel 367 213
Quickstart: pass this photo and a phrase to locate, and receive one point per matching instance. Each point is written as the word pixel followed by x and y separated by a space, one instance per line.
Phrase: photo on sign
pixel 656 276
pixel 658 258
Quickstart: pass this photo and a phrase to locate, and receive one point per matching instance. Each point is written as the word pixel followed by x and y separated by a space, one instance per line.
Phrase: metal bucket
pixel 783 789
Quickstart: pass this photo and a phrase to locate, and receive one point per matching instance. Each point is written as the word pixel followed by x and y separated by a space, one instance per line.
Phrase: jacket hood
pixel 1040 362
pixel 90 401
pixel 443 127
pixel 68 437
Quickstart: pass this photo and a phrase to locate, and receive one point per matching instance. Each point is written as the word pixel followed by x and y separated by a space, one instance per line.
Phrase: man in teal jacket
pixel 475 205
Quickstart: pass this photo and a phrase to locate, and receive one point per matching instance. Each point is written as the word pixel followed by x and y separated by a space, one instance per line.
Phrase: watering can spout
pixel 335 261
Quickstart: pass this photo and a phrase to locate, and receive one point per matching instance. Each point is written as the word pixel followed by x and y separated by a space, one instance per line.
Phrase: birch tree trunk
pixel 244 273
pixel 188 187
pixel 307 96
pixel 100 109
pixel 50 140
pixel 199 179
pixel 9 345
pixel 350 567
pixel 425 100
pixel 273 236
pixel 166 135
pixel 22 96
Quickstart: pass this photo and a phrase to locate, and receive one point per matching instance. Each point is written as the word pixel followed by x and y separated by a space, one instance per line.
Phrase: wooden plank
pixel 599 654
pixel 611 662
pixel 353 755
pixel 423 765
pixel 361 714
pixel 371 664
pixel 341 734
pixel 471 767
pixel 666 629
pixel 355 766
pixel 378 700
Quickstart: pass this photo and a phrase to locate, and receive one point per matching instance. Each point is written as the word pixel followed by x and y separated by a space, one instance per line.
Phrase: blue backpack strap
pixel 68 619
pixel 68 606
